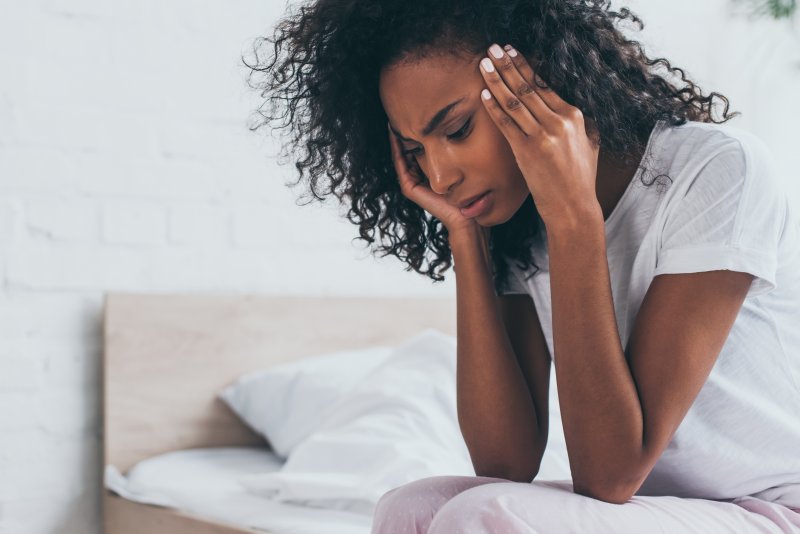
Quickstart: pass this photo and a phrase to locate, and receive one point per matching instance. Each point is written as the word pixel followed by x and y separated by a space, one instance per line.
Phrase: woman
pixel 529 169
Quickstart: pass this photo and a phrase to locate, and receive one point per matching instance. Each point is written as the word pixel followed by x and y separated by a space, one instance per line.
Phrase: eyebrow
pixel 435 121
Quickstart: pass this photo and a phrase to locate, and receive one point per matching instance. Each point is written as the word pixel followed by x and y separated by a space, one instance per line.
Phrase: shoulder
pixel 720 155
pixel 725 187
pixel 693 141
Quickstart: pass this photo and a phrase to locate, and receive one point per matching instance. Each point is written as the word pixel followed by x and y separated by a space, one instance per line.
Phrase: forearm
pixel 496 412
pixel 600 408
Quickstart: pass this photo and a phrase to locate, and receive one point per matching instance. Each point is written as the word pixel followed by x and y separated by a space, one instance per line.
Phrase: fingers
pixel 542 90
pixel 558 107
pixel 509 111
pixel 510 82
pixel 404 175
pixel 522 65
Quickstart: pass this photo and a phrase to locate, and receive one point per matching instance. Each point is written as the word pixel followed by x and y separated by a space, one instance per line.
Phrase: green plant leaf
pixel 777 9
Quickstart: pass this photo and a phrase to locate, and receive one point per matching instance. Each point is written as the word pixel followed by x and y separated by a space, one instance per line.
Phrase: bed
pixel 167 355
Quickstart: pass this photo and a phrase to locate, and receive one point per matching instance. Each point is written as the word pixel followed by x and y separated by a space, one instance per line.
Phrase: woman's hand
pixel 547 135
pixel 413 186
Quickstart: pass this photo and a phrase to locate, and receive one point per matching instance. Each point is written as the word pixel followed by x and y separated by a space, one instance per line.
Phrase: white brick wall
pixel 125 164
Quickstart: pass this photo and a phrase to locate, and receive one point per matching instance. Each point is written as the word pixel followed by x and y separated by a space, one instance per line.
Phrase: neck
pixel 613 177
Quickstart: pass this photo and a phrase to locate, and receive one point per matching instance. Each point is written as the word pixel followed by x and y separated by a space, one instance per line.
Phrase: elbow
pixel 605 493
pixel 515 475
pixel 521 465
pixel 519 472
pixel 613 489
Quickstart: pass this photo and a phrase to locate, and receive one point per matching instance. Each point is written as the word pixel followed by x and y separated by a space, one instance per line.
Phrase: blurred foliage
pixel 777 9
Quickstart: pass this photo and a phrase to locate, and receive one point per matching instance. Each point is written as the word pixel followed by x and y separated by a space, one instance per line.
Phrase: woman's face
pixel 464 155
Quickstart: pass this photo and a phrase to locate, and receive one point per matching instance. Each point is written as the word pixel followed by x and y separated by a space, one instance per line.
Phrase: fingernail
pixel 510 50
pixel 487 65
pixel 539 81
pixel 496 51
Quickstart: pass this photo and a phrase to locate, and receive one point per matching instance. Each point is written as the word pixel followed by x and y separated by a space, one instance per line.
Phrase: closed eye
pixel 460 134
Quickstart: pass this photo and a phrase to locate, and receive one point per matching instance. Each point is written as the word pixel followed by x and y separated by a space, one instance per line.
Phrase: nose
pixel 443 175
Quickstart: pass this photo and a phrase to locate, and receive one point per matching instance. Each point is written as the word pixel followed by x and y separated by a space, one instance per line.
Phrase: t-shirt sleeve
pixel 729 217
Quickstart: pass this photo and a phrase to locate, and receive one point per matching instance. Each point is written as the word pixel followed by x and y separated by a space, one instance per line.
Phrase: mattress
pixel 203 482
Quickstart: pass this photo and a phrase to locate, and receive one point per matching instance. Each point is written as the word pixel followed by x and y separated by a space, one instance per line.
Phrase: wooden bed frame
pixel 166 357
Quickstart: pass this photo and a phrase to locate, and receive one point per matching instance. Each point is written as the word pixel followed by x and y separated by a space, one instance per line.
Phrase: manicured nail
pixel 510 50
pixel 487 64
pixel 496 51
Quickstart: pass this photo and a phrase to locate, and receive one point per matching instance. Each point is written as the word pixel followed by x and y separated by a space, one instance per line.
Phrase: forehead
pixel 412 93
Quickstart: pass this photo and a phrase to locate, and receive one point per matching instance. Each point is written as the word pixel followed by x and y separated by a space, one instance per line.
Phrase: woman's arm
pixel 496 411
pixel 620 408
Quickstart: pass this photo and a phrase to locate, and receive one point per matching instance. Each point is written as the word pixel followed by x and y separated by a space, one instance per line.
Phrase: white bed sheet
pixel 203 482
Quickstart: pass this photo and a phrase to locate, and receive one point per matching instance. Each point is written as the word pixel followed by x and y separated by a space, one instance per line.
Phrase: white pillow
pixel 289 401
pixel 398 424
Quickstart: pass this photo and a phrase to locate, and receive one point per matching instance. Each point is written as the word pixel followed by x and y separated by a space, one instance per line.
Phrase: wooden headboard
pixel 167 356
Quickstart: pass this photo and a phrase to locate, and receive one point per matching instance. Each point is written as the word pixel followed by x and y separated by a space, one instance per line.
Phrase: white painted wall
pixel 126 165
pixel 755 63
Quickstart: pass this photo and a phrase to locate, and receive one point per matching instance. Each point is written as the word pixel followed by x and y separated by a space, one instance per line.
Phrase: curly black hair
pixel 321 75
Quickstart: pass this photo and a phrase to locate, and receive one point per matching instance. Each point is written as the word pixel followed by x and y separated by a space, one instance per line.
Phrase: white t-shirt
pixel 724 209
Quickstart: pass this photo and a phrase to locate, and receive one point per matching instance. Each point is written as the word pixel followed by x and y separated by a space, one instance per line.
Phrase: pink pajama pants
pixel 485 505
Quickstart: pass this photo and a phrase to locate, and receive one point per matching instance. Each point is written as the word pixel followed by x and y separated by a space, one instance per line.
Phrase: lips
pixel 467 202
